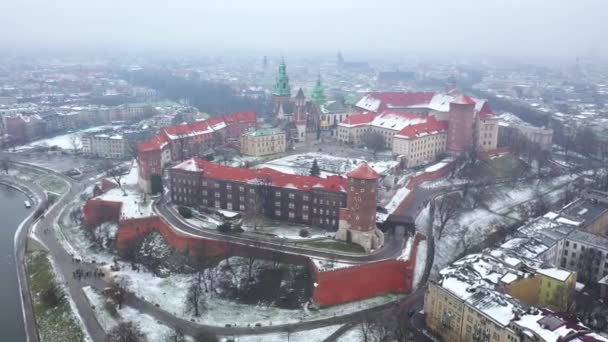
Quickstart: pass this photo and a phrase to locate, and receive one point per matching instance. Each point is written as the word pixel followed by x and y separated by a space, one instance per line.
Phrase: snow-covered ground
pixel 135 204
pixel 472 226
pixel 421 255
pixel 314 335
pixel 329 165
pixel 396 200
pixel 153 330
pixel 286 230
pixel 66 141
pixel 170 293
pixel 261 228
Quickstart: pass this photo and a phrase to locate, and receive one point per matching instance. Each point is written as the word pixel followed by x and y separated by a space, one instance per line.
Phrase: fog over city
pixel 510 28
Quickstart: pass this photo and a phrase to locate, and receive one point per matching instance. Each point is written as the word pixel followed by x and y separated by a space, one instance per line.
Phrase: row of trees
pixel 128 331
pixel 209 97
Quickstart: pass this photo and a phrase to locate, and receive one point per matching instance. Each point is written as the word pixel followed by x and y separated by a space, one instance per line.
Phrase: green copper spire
pixel 318 92
pixel 281 85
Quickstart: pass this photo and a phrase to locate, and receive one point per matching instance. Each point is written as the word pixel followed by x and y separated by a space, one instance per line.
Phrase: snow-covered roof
pixel 555 273
pixel 407 250
pixel 397 121
pixel 329 265
pixel 190 165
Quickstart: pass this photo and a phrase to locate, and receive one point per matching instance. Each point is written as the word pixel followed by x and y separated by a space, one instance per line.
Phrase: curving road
pixel 65 267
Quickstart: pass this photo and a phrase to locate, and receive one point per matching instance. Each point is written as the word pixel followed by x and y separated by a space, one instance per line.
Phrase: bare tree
pixel 6 164
pixel 205 336
pixel 126 332
pixel 371 330
pixel 374 141
pixel 116 174
pixel 176 335
pixel 118 290
pixel 75 142
pixel 446 210
pixel 195 299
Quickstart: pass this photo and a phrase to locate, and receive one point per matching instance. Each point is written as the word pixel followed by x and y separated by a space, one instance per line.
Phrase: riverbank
pixel 42 322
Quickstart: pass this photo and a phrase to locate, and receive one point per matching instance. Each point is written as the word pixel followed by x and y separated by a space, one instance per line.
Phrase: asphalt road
pixel 65 267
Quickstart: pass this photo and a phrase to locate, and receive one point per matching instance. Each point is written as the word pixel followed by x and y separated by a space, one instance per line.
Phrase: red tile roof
pixel 363 171
pixel 401 99
pixel 195 128
pixel 156 143
pixel 464 100
pixel 275 178
pixel 240 117
pixel 356 119
pixel 485 112
pixel 429 127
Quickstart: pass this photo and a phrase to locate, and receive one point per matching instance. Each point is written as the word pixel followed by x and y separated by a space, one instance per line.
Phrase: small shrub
pixel 225 227
pixel 52 296
pixel 304 233
pixel 184 211
pixel 237 229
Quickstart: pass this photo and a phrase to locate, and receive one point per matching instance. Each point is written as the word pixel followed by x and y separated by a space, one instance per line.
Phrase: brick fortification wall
pixel 132 230
pixel 349 284
pixel 421 178
pixel 98 211
pixel 333 287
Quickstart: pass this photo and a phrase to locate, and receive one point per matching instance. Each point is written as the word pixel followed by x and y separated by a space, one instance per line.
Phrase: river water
pixel 12 212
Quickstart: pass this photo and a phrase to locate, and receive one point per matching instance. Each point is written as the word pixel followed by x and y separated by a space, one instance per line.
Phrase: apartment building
pixel 112 146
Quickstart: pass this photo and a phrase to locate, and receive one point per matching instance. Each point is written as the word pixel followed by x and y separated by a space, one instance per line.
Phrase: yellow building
pixel 556 288
pixel 263 141
pixel 479 296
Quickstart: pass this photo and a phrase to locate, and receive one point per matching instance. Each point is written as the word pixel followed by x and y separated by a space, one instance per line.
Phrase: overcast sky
pixel 467 27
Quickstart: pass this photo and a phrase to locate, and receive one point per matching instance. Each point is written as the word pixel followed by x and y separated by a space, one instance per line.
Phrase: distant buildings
pixel 419 127
pixel 511 127
pixel 263 141
pixel 180 142
pixel 112 146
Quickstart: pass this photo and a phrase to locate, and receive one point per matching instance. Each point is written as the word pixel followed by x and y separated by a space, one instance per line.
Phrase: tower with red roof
pixel 461 125
pixel 358 220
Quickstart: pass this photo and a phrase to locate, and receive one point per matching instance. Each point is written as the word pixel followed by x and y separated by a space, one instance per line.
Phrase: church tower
pixel 300 115
pixel 282 89
pixel 318 93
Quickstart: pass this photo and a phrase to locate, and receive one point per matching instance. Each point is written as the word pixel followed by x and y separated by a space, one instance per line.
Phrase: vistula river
pixel 12 212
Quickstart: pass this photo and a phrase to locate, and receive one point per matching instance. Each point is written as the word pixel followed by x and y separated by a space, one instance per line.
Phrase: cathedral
pixel 297 115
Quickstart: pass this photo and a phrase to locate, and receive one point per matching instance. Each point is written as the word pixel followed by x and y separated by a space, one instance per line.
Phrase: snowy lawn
pixel 170 294
pixel 26 174
pixel 135 204
pixel 65 141
pixel 421 256
pixel 314 335
pixel 300 164
pixel 56 322
pixel 284 230
pixel 54 184
pixel 153 330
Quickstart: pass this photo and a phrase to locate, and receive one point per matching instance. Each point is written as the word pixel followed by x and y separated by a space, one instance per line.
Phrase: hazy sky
pixel 465 27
